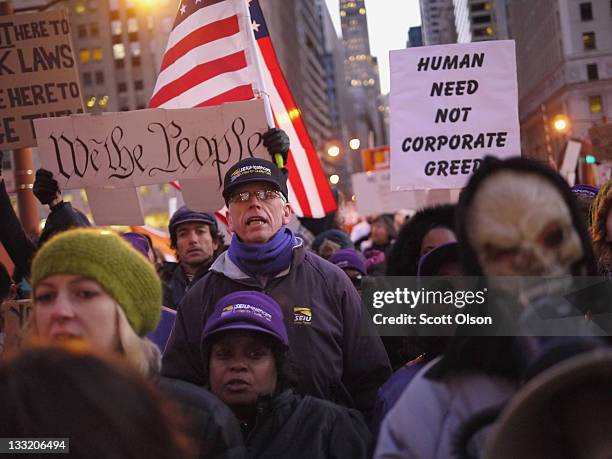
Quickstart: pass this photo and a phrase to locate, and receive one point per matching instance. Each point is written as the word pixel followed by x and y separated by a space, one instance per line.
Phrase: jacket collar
pixel 225 266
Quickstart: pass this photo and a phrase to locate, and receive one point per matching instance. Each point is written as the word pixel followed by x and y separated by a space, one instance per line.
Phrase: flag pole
pixel 262 88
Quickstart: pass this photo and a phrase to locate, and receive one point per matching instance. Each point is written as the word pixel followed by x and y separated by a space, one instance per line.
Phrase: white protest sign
pixel 570 160
pixel 144 147
pixel 451 105
pixel 373 194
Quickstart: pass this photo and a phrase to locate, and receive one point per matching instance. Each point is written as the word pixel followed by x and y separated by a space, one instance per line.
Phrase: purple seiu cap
pixel 349 258
pixel 247 310
pixel 139 242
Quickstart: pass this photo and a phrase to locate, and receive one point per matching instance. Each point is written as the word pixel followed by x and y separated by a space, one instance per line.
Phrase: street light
pixel 560 123
pixel 333 151
pixel 354 144
pixel 334 179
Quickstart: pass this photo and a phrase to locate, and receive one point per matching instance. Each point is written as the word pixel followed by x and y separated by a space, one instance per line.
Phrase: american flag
pixel 211 58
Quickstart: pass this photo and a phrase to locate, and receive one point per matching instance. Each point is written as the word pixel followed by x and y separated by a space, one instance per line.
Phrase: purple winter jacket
pixel 327 352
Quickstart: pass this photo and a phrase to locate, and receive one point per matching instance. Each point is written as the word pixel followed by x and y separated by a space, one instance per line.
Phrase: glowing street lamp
pixel 333 151
pixel 354 144
pixel 560 123
pixel 334 179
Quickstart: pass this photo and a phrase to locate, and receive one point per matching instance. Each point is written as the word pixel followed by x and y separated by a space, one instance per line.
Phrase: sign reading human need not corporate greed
pixel 143 147
pixel 38 74
pixel 451 105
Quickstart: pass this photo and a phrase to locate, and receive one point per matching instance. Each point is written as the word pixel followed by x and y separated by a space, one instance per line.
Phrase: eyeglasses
pixel 261 195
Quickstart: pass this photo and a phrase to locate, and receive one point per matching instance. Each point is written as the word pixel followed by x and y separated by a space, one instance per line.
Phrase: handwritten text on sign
pixel 150 146
pixel 38 74
pixel 451 105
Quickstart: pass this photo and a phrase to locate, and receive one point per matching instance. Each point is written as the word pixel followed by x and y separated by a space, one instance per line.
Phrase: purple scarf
pixel 268 258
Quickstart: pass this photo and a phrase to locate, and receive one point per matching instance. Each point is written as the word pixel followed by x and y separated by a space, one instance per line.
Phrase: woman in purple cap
pixel 245 347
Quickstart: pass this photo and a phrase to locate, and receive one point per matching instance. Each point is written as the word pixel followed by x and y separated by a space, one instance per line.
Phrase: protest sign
pixel 570 161
pixel 373 194
pixel 14 320
pixel 144 147
pixel 451 105
pixel 38 74
pixel 152 146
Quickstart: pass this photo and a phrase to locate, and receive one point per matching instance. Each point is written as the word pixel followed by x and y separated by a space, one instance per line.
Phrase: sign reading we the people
pixel 451 105
pixel 38 74
pixel 144 147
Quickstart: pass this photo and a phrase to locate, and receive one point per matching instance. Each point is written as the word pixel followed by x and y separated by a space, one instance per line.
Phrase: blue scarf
pixel 269 258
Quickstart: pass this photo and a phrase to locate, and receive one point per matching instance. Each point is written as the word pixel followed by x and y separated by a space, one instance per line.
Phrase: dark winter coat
pixel 296 427
pixel 322 312
pixel 209 420
pixel 175 283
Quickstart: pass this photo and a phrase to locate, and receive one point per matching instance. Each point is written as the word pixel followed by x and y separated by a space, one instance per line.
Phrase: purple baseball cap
pixel 246 310
pixel 349 258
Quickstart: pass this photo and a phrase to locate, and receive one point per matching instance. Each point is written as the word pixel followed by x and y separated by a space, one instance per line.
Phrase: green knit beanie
pixel 113 263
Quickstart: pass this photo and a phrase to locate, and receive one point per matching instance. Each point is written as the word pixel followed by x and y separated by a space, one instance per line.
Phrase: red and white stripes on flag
pixel 213 57
pixel 206 60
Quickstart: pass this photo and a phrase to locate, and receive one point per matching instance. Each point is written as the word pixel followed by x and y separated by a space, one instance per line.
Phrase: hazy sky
pixel 388 23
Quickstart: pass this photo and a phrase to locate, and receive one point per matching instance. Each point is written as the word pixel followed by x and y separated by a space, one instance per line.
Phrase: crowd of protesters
pixel 254 347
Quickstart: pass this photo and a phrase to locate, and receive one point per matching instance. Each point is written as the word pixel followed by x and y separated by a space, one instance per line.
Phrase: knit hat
pixel 335 235
pixel 254 170
pixel 349 258
pixel 104 257
pixel 186 215
pixel 246 310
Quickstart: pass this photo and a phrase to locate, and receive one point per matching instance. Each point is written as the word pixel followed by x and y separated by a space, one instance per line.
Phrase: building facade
pixel 415 37
pixel 362 74
pixel 481 20
pixel 564 57
pixel 438 22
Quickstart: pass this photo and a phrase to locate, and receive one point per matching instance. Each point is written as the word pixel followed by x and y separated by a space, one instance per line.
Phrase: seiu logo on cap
pixel 241 308
pixel 245 170
pixel 302 316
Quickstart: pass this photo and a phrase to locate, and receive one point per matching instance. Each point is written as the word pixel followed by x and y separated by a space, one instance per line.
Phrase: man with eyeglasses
pixel 322 310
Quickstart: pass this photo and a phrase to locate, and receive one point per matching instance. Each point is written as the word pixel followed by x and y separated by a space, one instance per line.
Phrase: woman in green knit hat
pixel 91 284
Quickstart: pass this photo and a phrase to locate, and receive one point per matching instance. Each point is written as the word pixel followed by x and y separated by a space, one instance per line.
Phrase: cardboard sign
pixel 451 105
pixel 152 146
pixel 14 320
pixel 373 195
pixel 38 74
pixel 601 139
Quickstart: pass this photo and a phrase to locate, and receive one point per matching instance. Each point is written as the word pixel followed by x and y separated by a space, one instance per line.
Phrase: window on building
pixel 485 19
pixel 97 54
pixel 86 79
pixel 92 6
pixel 122 87
pixel 99 77
pixel 595 104
pixel 114 14
pixel 136 61
pixel 481 6
pixel 135 48
pixel 132 25
pixel 586 11
pixel 84 56
pixel 116 27
pixel 82 31
pixel 119 63
pixel 138 85
pixel 118 51
pixel 133 36
pixel 592 72
pixel 588 40
pixel 131 12
pixel 117 39
pixel 79 7
pixel 94 29
pixel 103 101
pixel 113 4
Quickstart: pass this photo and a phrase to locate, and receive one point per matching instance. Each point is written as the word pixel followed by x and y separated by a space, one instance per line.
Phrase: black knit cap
pixel 254 170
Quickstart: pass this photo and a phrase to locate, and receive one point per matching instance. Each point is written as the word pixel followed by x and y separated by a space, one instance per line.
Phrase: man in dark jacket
pixel 322 310
pixel 196 239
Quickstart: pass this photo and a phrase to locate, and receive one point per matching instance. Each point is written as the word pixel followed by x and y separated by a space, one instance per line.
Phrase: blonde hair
pixel 141 353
